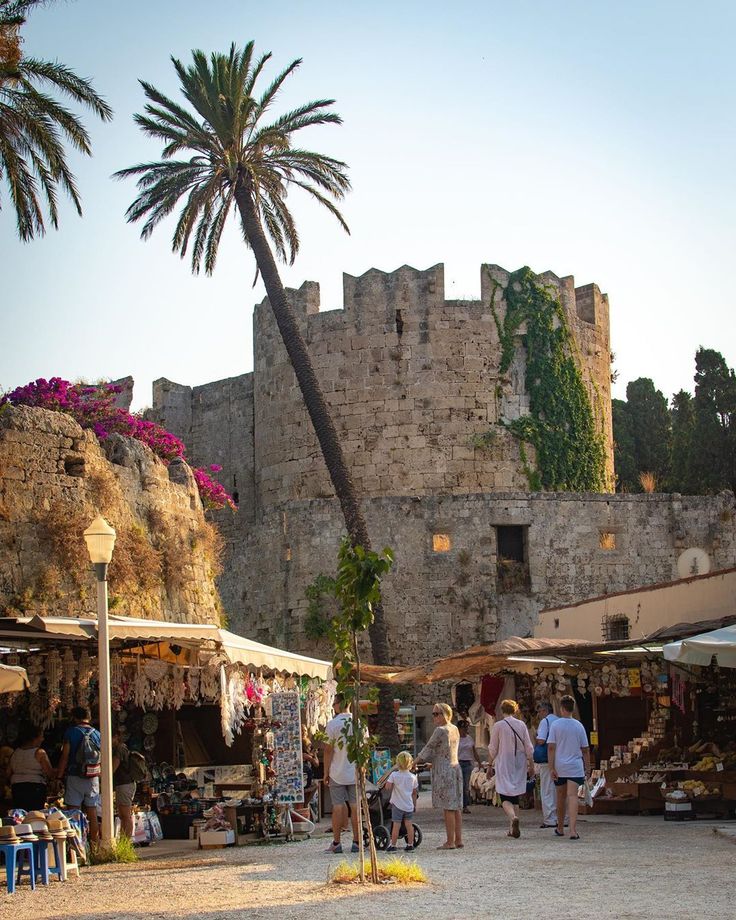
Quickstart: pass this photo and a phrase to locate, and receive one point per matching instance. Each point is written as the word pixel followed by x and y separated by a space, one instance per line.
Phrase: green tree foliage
pixel 682 415
pixel 713 454
pixel 641 436
pixel 35 127
pixel 692 447
pixel 624 448
pixel 561 424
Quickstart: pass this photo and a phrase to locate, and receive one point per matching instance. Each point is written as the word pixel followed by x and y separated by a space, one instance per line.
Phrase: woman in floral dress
pixel 447 778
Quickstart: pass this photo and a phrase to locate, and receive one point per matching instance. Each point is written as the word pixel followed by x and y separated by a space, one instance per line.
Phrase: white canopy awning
pixel 255 655
pixel 12 678
pixel 197 636
pixel 701 649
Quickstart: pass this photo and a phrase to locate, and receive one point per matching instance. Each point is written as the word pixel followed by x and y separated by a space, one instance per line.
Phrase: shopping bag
pixel 587 795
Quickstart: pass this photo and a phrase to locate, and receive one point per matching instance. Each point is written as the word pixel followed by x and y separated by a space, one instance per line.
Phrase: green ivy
pixel 561 425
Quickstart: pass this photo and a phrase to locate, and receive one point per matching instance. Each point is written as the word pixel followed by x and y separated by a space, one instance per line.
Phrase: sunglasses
pixel 435 713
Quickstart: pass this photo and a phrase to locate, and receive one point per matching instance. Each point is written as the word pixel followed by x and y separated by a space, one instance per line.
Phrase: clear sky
pixel 589 137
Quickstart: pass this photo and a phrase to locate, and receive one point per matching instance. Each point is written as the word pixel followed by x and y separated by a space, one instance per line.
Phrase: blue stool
pixel 14 865
pixel 41 853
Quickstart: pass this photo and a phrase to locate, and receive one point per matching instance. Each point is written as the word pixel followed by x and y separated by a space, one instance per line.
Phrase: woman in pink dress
pixel 511 756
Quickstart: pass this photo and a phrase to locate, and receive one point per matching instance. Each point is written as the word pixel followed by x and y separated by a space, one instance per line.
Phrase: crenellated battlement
pixel 375 296
pixel 413 381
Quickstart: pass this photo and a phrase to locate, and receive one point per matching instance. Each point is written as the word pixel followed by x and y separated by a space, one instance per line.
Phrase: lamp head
pixel 100 540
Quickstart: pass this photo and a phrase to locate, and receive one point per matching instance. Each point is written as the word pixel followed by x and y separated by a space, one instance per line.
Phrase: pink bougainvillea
pixel 94 407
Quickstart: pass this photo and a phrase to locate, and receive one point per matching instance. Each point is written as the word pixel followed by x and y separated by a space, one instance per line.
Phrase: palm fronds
pixel 34 126
pixel 232 151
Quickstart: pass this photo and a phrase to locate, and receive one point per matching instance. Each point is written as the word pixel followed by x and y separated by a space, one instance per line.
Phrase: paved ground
pixel 621 868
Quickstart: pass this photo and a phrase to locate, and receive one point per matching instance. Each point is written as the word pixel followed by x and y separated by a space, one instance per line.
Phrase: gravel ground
pixel 620 868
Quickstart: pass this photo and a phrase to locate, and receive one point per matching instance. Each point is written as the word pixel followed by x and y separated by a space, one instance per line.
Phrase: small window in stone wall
pixel 441 543
pixel 607 540
pixel 512 564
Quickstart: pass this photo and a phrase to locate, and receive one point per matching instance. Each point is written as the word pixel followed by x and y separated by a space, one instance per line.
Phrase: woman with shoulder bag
pixel 510 751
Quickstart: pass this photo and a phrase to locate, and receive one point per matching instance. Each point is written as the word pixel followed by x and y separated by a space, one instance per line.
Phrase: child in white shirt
pixel 403 786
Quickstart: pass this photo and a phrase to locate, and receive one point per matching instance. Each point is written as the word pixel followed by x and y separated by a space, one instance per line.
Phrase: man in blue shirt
pixel 81 791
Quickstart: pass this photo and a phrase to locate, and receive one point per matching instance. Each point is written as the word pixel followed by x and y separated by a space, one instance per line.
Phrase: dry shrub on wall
pixel 136 565
pixel 49 586
pixel 648 482
pixel 62 528
pixel 104 491
pixel 209 541
pixel 170 537
pixel 177 543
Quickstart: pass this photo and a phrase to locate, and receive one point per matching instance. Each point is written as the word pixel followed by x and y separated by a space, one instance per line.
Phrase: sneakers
pixel 391 849
pixel 354 848
pixel 408 848
pixel 335 848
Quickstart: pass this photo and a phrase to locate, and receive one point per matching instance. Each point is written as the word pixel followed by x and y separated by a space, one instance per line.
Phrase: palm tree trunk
pixel 326 432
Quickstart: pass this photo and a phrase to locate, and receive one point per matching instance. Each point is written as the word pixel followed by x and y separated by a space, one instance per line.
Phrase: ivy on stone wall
pixel 561 424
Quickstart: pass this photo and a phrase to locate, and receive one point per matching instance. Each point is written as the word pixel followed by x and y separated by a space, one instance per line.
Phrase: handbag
pixel 540 749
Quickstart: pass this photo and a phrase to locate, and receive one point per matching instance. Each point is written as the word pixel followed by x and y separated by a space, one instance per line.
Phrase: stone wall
pixel 412 380
pixel 54 478
pixel 437 602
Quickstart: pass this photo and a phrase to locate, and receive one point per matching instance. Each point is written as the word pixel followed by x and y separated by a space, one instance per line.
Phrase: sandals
pixel 445 847
pixel 559 833
pixel 574 836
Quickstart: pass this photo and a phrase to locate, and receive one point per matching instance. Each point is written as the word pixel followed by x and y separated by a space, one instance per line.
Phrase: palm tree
pixel 238 162
pixel 34 126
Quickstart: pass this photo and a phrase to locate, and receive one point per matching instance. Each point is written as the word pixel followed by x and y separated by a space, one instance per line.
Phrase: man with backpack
pixel 129 768
pixel 80 760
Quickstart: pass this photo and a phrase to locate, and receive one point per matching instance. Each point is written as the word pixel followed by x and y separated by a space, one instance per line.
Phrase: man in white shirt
pixel 569 761
pixel 547 786
pixel 339 774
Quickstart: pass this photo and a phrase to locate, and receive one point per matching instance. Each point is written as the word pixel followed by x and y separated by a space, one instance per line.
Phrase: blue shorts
pixel 82 792
pixel 563 780
pixel 398 815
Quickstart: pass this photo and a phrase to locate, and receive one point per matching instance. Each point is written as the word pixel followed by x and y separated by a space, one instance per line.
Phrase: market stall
pixel 198 701
pixel 657 727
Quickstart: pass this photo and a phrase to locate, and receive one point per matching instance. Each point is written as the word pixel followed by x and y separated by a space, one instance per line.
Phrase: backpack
pixel 88 753
pixel 137 766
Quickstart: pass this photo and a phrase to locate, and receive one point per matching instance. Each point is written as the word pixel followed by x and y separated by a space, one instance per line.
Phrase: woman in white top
pixel 30 769
pixel 511 754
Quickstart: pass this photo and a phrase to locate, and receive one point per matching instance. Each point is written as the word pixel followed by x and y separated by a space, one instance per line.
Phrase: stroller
pixel 380 817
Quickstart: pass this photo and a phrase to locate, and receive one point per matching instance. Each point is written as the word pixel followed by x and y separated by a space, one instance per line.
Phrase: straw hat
pixel 7 834
pixel 35 816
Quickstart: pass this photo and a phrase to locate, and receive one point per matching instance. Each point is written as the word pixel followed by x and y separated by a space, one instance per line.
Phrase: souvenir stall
pixel 204 706
pixel 655 728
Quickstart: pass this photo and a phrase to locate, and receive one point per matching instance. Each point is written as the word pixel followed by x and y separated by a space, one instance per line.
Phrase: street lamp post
pixel 100 539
